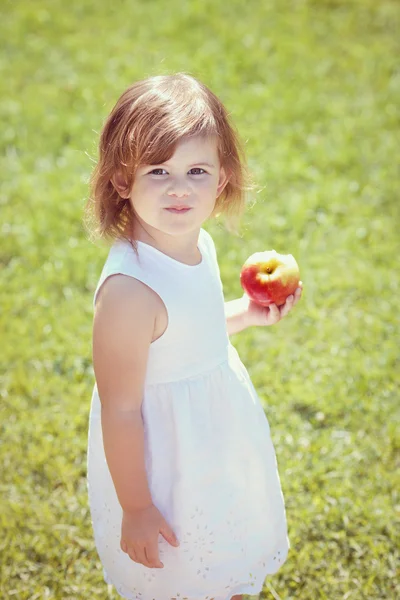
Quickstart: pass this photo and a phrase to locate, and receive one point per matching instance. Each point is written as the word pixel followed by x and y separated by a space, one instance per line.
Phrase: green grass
pixel 314 89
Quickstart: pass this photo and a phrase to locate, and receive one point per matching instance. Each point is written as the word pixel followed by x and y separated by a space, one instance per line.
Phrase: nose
pixel 178 187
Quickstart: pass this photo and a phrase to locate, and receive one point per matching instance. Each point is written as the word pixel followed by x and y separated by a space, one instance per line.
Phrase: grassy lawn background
pixel 314 89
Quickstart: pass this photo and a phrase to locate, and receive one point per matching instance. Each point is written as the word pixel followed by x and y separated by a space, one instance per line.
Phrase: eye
pixel 154 171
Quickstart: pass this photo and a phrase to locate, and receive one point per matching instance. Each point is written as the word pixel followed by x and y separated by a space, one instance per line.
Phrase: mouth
pixel 181 209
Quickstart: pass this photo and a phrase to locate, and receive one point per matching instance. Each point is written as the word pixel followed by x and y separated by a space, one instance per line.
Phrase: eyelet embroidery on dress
pixel 203 543
pixel 236 531
pixel 232 584
pixel 200 543
pixel 151 575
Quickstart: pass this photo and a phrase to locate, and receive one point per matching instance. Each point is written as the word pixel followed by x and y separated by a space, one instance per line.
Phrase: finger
pixel 285 308
pixel 141 555
pixel 297 295
pixel 169 535
pixel 132 555
pixel 152 557
pixel 274 313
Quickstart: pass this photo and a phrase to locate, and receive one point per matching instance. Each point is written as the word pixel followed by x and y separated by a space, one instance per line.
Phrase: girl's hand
pixel 139 535
pixel 269 315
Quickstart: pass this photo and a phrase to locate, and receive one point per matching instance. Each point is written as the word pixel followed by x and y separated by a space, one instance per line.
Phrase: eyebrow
pixel 206 164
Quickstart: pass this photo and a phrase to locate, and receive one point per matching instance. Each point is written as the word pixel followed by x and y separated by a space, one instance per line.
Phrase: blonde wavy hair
pixel 148 121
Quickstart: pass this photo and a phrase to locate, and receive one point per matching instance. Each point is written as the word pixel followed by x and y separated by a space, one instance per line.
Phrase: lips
pixel 179 207
pixel 179 211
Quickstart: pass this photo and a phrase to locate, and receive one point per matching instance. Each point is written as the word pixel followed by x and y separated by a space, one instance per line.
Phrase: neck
pixel 181 248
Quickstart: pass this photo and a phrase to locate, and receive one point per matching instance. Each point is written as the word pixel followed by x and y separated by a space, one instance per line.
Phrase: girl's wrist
pixel 236 315
pixel 132 510
pixel 244 303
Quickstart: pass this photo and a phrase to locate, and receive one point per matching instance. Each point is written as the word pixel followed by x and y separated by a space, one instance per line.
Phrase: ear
pixel 223 180
pixel 120 184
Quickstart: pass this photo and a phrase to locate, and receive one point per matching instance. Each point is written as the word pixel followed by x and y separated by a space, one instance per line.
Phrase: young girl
pixel 183 485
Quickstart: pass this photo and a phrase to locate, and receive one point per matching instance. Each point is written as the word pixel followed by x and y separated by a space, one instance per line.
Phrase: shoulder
pixel 124 297
pixel 120 288
pixel 205 234
pixel 207 237
pixel 209 242
pixel 124 321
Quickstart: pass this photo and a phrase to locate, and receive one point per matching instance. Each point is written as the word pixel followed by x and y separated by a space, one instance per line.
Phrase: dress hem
pixel 253 589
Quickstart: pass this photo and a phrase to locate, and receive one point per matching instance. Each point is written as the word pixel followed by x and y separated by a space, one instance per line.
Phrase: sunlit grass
pixel 313 88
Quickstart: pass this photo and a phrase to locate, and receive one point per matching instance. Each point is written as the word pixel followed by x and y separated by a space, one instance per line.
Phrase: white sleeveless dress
pixel 210 461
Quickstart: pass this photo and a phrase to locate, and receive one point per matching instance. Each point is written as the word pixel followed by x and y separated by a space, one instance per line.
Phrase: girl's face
pixel 192 177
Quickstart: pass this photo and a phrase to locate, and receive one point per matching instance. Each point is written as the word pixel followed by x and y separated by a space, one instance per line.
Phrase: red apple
pixel 268 277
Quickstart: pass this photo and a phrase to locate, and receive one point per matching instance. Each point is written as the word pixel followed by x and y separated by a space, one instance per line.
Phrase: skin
pixel 183 180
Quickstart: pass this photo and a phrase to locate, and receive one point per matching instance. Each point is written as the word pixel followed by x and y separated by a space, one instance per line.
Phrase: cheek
pixel 146 190
pixel 208 186
pixel 149 185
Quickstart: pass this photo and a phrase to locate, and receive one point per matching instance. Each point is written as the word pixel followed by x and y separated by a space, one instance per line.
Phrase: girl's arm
pixel 235 315
pixel 122 332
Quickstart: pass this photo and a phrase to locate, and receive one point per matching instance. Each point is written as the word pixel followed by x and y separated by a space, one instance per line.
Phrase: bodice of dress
pixel 196 338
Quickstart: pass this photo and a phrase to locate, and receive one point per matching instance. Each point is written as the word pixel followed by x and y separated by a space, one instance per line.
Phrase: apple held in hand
pixel 269 278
